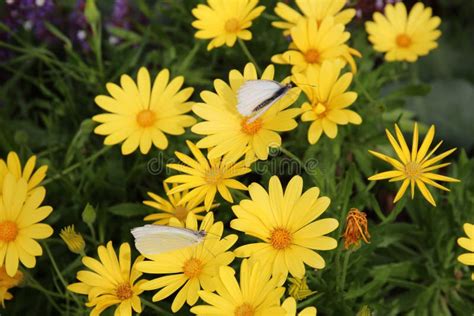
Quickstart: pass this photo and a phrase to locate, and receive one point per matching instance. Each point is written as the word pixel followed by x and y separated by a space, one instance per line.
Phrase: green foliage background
pixel 410 266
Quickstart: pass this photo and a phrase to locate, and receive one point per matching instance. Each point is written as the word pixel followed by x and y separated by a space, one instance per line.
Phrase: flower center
pixel 412 169
pixel 244 310
pixel 312 56
pixel 280 238
pixel 251 128
pixel 124 291
pixel 320 110
pixel 8 231
pixel 146 118
pixel 213 176
pixel 232 26
pixel 180 212
pixel 403 40
pixel 192 268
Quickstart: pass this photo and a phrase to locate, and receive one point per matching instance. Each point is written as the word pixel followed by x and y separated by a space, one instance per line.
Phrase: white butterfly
pixel 155 239
pixel 255 97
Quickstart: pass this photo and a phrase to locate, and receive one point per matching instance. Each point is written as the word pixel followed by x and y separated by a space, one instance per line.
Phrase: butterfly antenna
pixel 296 83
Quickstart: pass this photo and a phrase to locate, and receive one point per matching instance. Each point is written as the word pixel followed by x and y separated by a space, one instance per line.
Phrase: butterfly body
pixel 255 97
pixel 156 239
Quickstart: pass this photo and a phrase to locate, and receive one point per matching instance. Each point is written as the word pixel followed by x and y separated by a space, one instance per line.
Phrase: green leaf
pixel 129 36
pixel 415 90
pixel 79 140
pixel 129 210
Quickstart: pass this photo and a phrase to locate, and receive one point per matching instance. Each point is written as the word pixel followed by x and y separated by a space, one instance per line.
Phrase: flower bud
pixel 89 215
pixel 72 239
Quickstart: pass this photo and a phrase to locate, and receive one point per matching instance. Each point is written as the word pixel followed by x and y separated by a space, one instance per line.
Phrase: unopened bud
pixel 72 239
pixel 88 215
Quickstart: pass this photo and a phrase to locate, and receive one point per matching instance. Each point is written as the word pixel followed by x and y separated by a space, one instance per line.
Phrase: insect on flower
pixel 155 239
pixel 255 97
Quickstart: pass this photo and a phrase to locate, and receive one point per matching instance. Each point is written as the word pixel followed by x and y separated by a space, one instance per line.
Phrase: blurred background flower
pixel 366 8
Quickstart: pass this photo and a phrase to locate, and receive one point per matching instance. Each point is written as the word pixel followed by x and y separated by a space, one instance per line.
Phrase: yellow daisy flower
pixel 6 283
pixel 468 244
pixel 141 114
pixel 403 36
pixel 229 133
pixel 328 100
pixel 314 11
pixel 20 214
pixel 414 168
pixel 257 293
pixel 13 166
pixel 110 281
pixel 312 44
pixel 224 21
pixel 172 207
pixel 191 268
pixel 285 222
pixel 290 307
pixel 206 177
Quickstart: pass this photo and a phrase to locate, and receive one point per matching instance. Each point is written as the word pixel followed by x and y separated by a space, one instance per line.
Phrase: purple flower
pixel 79 30
pixel 366 8
pixel 120 18
pixel 30 15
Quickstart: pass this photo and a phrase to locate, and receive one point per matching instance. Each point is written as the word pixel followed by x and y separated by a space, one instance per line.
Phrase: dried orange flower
pixel 356 228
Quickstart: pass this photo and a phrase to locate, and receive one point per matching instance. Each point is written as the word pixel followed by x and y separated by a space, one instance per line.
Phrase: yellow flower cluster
pixel 316 35
pixel 286 222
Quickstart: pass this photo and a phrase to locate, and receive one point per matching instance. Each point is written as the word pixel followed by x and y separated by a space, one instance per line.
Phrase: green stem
pixel 270 17
pixel 60 276
pixel 399 207
pixel 363 90
pixel 240 195
pixel 77 165
pixel 154 307
pixel 249 55
pixel 37 286
pixel 55 266
pixel 94 236
pixel 34 284
pixel 344 269
pixel 289 154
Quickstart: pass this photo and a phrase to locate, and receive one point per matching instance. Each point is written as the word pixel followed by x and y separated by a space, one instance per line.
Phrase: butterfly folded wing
pixel 156 239
pixel 253 93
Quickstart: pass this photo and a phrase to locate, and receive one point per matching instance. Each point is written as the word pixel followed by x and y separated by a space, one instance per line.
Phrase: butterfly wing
pixel 155 239
pixel 253 92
